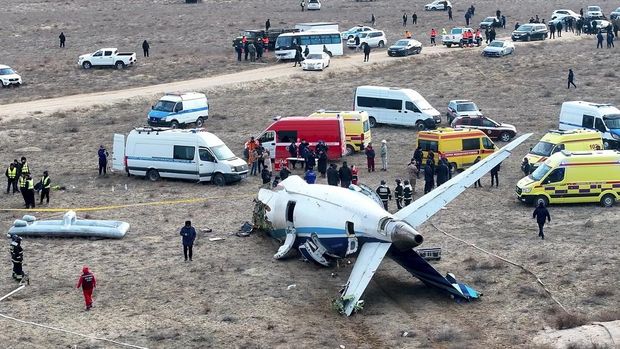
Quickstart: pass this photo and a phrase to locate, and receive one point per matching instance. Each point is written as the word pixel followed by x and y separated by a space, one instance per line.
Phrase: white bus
pixel 285 43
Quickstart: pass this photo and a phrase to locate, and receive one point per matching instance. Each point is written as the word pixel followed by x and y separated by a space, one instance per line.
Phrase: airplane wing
pixel 425 207
pixel 366 265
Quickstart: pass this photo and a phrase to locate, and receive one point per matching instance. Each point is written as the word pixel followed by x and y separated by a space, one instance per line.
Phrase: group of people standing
pixel 19 179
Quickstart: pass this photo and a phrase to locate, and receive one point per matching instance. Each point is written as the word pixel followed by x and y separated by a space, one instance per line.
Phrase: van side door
pixel 268 141
pixel 412 113
pixel 553 185
pixel 108 59
pixel 184 163
pixel 206 165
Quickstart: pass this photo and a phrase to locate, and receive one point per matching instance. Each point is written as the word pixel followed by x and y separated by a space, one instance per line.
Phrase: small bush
pixel 564 321
pixel 447 334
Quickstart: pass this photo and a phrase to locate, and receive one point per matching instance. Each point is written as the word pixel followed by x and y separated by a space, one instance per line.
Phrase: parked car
pixel 316 61
pixel 490 22
pixel 353 32
pixel 498 48
pixel 438 5
pixel 530 31
pixel 558 14
pixel 594 12
pixel 179 109
pixel 615 14
pixel 314 5
pixel 107 57
pixel 9 77
pixel 461 107
pixel 253 34
pixel 405 47
pixel 456 37
pixel 596 25
pixel 372 38
pixel 493 129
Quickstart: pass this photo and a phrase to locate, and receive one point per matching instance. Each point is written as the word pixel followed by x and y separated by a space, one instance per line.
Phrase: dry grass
pixel 564 321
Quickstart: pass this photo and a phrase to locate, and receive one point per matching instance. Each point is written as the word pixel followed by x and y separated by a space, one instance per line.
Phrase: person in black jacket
pixel 332 175
pixel 495 175
pixel 145 48
pixel 429 177
pixel 384 193
pixel 399 194
pixel 442 172
pixel 189 235
pixel 477 183
pixel 366 52
pixel 310 159
pixel 62 39
pixel 298 57
pixel 17 257
pixel 526 167
pixel 267 24
pixel 541 214
pixel 284 173
pixel 407 193
pixel 265 175
pixel 322 163
pixel 345 175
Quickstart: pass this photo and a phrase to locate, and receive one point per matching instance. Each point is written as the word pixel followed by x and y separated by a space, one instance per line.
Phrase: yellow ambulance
pixel 555 141
pixel 356 128
pixel 460 145
pixel 575 177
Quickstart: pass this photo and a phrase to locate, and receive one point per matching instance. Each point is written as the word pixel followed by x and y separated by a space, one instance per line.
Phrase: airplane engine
pixel 403 236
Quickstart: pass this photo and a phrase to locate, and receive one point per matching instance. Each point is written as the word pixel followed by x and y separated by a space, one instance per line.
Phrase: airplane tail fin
pixel 421 269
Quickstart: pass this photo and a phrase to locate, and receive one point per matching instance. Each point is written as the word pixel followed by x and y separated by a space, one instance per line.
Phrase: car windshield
pixel 222 152
pixel 314 56
pixel 466 107
pixel 164 106
pixel 6 71
pixel 540 172
pixel 525 28
pixel 594 8
pixel 497 44
pixel 542 149
pixel 401 43
pixel 612 121
pixel 456 31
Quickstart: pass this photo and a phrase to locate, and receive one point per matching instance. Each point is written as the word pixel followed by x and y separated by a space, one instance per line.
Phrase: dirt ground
pixel 233 295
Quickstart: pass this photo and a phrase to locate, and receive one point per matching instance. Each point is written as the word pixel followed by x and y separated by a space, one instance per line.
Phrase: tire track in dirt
pixel 9 112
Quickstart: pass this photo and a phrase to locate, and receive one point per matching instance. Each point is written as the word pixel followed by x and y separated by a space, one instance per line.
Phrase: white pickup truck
pixel 455 37
pixel 109 57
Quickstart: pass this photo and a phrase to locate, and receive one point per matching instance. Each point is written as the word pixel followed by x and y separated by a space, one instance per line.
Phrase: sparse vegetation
pixel 564 321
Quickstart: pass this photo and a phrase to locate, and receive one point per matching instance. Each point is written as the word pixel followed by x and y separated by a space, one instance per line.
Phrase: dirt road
pixel 278 71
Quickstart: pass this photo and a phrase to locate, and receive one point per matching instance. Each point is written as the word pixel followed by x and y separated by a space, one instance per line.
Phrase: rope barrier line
pixel 60 329
pixel 114 207
pixel 542 284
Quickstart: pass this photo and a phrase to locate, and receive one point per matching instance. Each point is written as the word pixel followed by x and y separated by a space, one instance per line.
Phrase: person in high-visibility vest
pixel 11 178
pixel 29 192
pixel 45 187
pixel 25 167
pixel 22 187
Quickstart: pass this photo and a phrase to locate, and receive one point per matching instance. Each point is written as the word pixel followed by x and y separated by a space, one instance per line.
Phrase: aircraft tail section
pixel 421 269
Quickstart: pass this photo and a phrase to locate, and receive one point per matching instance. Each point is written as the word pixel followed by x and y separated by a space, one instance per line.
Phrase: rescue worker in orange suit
pixel 88 283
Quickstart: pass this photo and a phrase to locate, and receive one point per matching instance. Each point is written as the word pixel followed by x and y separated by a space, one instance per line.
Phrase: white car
pixel 316 61
pixel 438 5
pixel 594 12
pixel 353 32
pixel 372 38
pixel 314 5
pixel 498 48
pixel 615 13
pixel 559 14
pixel 9 77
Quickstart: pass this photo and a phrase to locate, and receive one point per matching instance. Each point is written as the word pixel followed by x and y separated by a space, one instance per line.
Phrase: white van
pixel 393 105
pixel 604 118
pixel 193 154
pixel 175 109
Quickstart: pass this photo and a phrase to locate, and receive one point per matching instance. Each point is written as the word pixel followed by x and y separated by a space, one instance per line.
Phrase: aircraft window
pixel 290 210
pixel 350 228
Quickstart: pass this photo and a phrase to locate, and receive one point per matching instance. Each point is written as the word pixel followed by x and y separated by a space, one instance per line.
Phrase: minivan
pixel 177 109
pixel 530 31
pixel 604 118
pixel 393 105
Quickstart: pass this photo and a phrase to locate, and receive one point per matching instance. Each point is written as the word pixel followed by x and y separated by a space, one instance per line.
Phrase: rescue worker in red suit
pixel 87 282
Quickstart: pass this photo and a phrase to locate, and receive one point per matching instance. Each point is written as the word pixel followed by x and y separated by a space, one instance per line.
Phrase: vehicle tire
pixel 543 199
pixel 87 65
pixel 504 137
pixel 350 151
pixel 119 65
pixel 381 44
pixel 218 179
pixel 449 45
pixel 152 175
pixel 608 200
pixel 433 9
pixel 420 125
pixel 174 124
pixel 372 121
pixel 200 122
pixel 606 145
pixel 418 50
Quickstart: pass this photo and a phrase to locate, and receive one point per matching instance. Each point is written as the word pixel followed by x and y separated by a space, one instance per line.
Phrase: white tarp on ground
pixel 603 334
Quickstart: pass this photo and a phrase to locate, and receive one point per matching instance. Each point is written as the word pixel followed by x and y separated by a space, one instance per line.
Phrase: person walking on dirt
pixel 357 43
pixel 385 194
pixel 398 194
pixel 252 51
pixel 384 155
pixel 610 39
pixel 542 215
pixel 370 157
pixel 450 13
pixel 145 48
pixel 571 78
pixel 332 175
pixel 429 177
pixel 442 172
pixel 414 19
pixel 552 32
pixel 433 36
pixel 404 19
pixel 88 283
pixel 17 257
pixel 303 5
pixel 366 52
pixel 503 21
pixel 46 184
pixel 345 175
pixel 354 175
pixel 30 202
pixel 495 175
pixel 599 39
pixel 267 25
pixel 526 167
pixel 62 39
pixel 477 183
pixel 407 193
pixel 11 178
pixel 297 56
pixel 21 183
pixel 558 28
pixel 306 51
pixel 239 50
pixel 413 173
pixel 467 17
pixel 372 19
pixel 103 160
pixel 189 235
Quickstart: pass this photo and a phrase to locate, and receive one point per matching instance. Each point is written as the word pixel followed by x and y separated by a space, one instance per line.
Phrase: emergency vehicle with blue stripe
pixel 577 177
